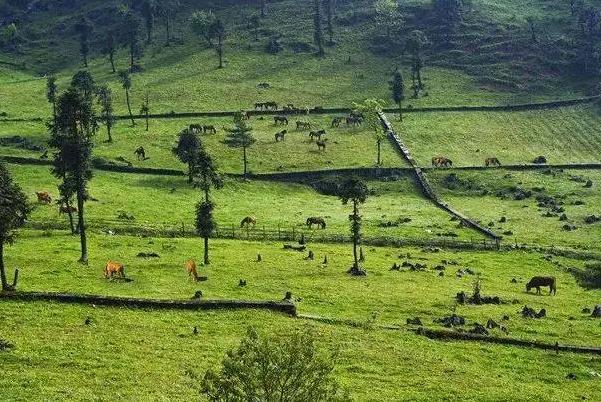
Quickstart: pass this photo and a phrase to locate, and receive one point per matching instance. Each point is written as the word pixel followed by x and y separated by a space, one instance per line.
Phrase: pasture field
pixel 346 147
pixel 322 289
pixel 150 355
pixel 167 202
pixel 489 196
pixel 565 135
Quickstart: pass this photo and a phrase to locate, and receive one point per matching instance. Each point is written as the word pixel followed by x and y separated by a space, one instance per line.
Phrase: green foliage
pixel 105 100
pixel 201 23
pixel 83 82
pixel 205 222
pixel 84 28
pixel 388 16
pixel 187 150
pixel 274 369
pixel 371 109
pixel 317 29
pixel 132 29
pixel 240 136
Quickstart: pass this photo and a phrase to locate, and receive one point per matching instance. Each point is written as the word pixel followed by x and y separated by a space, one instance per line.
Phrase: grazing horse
pixel 281 136
pixel 321 145
pixel 336 121
pixel 271 105
pixel 320 222
pixel 64 209
pixel 114 268
pixel 354 121
pixel 207 129
pixel 43 197
pixel 195 128
pixel 140 153
pixel 539 281
pixel 303 125
pixel 317 134
pixel 248 221
pixel 245 115
pixel 280 120
pixel 492 162
pixel 441 161
pixel 259 105
pixel 190 266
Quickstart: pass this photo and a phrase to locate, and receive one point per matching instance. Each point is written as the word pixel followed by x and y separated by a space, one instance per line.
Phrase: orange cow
pixel 191 269
pixel 114 268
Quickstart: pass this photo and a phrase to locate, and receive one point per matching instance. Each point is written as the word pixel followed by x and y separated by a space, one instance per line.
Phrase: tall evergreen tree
pixel 187 151
pixel 355 191
pixel 132 28
pixel 317 31
pixel 84 29
pixel 145 109
pixel 125 79
pixel 167 10
pixel 329 6
pixel 51 94
pixel 397 88
pixel 72 139
pixel 105 99
pixel 149 11
pixel 371 109
pixel 110 49
pixel 416 42
pixel 14 210
pixel 208 178
pixel 241 137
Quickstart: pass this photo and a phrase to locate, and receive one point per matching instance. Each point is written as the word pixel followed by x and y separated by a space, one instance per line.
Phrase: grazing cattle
pixel 66 209
pixel 43 197
pixel 492 162
pixel 190 266
pixel 114 268
pixel 209 129
pixel 140 153
pixel 303 125
pixel 321 145
pixel 280 120
pixel 336 121
pixel 539 281
pixel 320 222
pixel 281 136
pixel 271 105
pixel 441 161
pixel 248 221
pixel 195 128
pixel 317 134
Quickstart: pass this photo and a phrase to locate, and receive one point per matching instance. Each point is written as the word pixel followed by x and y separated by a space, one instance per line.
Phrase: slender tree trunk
pixel 131 116
pixel 70 215
pixel 2 272
pixel 108 131
pixel 190 172
pixel 379 151
pixel 112 60
pixel 131 57
pixel 356 259
pixel 419 78
pixel 82 225
pixel 245 161
pixel 220 52
pixel 146 121
pixel 400 111
pixel 206 256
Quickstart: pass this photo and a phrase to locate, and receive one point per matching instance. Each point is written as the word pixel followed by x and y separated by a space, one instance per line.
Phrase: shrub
pixel 590 276
pixel 274 369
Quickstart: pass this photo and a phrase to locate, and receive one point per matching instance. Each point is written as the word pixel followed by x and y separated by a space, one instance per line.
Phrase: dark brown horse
pixel 441 161
pixel 539 281
pixel 280 120
pixel 492 162
pixel 320 222
pixel 248 221
pixel 281 136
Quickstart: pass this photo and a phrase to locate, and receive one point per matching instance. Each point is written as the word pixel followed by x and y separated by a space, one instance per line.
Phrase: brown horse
pixel 281 136
pixel 492 162
pixel 248 221
pixel 190 266
pixel 43 197
pixel 441 161
pixel 209 129
pixel 280 120
pixel 539 281
pixel 113 268
pixel 321 145
pixel 317 134
pixel 320 222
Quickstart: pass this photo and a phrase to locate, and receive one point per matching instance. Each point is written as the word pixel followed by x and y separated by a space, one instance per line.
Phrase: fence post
pixel 293 233
pixel 183 229
pixel 233 232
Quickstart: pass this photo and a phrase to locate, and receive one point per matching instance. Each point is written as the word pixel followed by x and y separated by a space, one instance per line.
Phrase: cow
pixel 248 221
pixel 190 266
pixel 303 125
pixel 320 222
pixel 538 281
pixel 43 197
pixel 271 105
pixel 140 153
pixel 281 136
pixel 114 268
pixel 280 120
pixel 336 121
pixel 492 162
pixel 321 145
pixel 207 129
pixel 441 161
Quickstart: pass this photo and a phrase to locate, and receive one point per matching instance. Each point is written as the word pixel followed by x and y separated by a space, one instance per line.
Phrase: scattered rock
pixel 505 318
pixel 563 217
pixel 539 160
pixel 589 220
pixel 461 297
pixel 197 295
pixel 148 255
pixel 288 296
pixel 356 271
pixel 451 321
pixel 242 283
pixel 503 219
pixel 5 345
pixel 571 376
pixel 568 227
pixel 586 310
pixel 491 324
pixel 88 321
pixel 414 321
pixel 528 312
pixel 588 184
pixel 395 267
pixel 478 330
pixel 513 280
pixel 259 258
pixel 195 331
pixel 596 312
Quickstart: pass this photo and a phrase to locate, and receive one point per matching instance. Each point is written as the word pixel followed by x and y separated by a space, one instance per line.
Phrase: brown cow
pixel 114 268
pixel 191 269
pixel 43 197
pixel 539 281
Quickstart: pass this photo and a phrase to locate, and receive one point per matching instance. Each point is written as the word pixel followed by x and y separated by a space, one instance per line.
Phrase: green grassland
pixel 151 355
pixel 347 147
pixel 524 217
pixel 566 135
pixel 321 289
pixel 167 202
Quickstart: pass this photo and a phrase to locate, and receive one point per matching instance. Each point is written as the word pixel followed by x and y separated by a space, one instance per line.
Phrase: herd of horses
pixel 443 161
